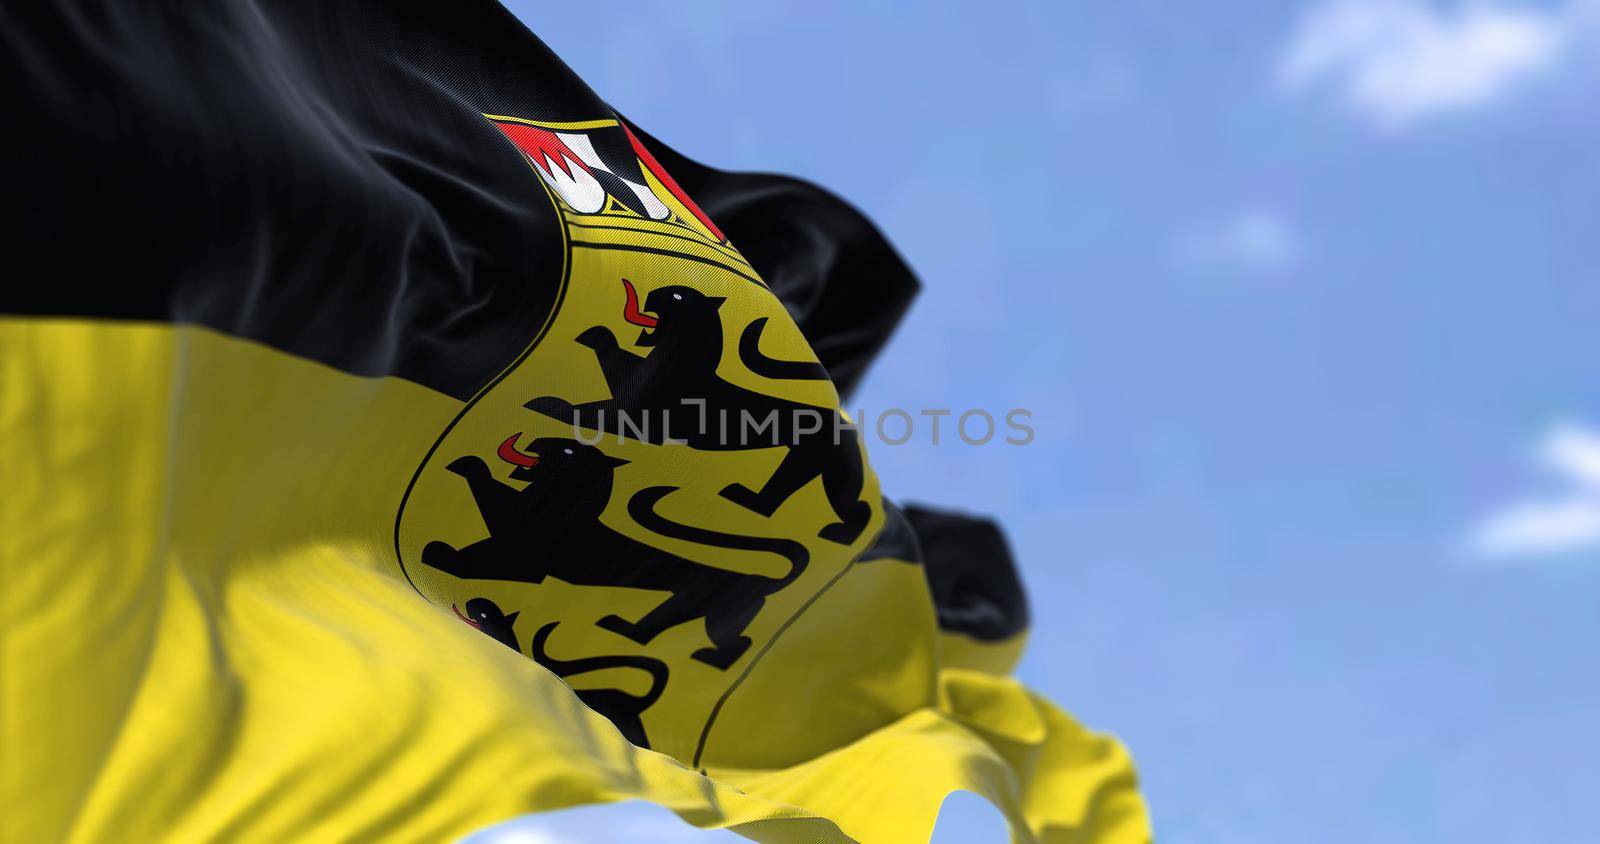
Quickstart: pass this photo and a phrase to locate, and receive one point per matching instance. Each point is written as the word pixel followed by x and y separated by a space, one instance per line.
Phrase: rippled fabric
pixel 349 492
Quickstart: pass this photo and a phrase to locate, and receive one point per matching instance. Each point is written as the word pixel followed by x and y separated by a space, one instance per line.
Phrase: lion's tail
pixel 642 508
pixel 568 667
pixel 779 370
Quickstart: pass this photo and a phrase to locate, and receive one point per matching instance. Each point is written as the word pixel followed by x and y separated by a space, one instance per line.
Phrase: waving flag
pixel 370 476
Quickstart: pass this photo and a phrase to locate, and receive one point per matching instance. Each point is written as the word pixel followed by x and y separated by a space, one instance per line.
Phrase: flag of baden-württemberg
pixel 365 394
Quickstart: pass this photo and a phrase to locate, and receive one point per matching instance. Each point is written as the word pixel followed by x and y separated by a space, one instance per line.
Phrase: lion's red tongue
pixel 475 625
pixel 509 453
pixel 631 312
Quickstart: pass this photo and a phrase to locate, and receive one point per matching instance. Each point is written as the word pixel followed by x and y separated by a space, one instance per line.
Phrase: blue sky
pixel 1304 299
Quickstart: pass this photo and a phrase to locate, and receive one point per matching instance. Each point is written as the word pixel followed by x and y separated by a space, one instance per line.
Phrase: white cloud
pixel 1400 61
pixel 526 834
pixel 1252 239
pixel 1560 524
pixel 1574 451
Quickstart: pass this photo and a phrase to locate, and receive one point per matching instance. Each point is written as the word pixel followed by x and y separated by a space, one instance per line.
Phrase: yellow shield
pixel 663 481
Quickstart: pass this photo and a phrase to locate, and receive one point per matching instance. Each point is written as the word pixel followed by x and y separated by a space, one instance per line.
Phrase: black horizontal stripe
pixel 280 181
